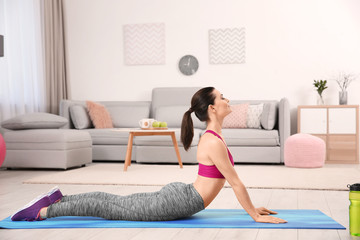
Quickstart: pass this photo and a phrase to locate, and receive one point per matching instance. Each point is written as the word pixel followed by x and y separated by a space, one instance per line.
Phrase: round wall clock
pixel 188 65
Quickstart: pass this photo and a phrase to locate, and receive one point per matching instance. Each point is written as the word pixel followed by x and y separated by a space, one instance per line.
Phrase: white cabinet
pixel 313 120
pixel 342 120
pixel 337 125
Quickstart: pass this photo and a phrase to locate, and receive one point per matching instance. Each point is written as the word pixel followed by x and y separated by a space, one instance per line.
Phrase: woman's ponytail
pixel 199 105
pixel 187 130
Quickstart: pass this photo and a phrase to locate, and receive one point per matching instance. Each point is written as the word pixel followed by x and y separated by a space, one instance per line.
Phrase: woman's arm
pixel 219 156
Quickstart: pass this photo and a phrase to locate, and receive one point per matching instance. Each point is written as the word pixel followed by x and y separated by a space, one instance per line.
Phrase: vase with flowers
pixel 320 86
pixel 344 81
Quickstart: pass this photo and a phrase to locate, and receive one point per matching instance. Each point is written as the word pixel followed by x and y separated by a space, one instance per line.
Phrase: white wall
pixel 288 45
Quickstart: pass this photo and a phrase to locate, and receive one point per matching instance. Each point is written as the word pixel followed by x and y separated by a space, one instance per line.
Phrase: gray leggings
pixel 173 201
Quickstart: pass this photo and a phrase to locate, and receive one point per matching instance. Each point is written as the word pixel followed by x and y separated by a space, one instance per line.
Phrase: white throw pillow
pixel 254 115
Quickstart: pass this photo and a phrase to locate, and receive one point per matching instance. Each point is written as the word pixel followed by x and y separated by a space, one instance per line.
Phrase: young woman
pixel 175 200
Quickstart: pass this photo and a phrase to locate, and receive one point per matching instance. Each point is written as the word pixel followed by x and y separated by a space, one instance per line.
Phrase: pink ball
pixel 2 150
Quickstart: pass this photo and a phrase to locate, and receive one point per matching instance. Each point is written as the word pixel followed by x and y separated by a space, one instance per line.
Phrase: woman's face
pixel 221 104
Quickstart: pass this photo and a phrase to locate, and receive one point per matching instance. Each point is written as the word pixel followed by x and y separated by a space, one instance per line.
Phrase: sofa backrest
pixel 127 114
pixel 124 114
pixel 171 96
pixel 169 105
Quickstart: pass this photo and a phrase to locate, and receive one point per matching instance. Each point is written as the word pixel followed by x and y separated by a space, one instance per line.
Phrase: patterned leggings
pixel 173 201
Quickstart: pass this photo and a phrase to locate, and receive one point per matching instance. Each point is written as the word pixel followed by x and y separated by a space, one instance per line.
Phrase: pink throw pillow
pixel 238 117
pixel 99 116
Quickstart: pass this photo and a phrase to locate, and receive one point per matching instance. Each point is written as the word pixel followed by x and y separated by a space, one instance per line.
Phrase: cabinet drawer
pixel 342 148
pixel 342 142
pixel 323 137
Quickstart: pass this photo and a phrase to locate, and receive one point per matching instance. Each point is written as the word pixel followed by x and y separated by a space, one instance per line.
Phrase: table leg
pixel 176 149
pixel 128 152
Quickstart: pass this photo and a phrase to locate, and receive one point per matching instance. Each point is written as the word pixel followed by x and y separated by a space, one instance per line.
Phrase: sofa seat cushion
pixel 109 136
pixel 47 139
pixel 166 140
pixel 250 137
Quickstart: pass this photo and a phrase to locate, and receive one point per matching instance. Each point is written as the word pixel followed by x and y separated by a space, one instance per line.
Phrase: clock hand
pixel 188 62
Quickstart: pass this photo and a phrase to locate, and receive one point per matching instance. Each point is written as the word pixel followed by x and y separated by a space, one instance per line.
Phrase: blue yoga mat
pixel 208 218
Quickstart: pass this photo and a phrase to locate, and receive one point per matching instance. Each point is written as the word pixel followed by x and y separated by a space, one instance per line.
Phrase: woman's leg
pixel 175 200
pixel 103 196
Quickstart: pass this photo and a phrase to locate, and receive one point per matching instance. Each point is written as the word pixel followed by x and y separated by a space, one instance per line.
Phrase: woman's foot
pixel 31 211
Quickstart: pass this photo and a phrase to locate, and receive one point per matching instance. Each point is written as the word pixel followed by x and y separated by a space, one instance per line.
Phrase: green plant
pixel 320 86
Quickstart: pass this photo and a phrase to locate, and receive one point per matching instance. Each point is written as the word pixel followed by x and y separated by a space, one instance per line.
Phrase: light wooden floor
pixel 14 194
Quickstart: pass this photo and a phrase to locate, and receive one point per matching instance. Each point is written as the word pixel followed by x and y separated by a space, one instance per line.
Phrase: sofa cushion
pixel 268 116
pixel 238 117
pixel 171 96
pixel 47 139
pixel 254 115
pixel 35 121
pixel 109 136
pixel 80 117
pixel 166 140
pixel 250 137
pixel 128 116
pixel 100 117
pixel 173 115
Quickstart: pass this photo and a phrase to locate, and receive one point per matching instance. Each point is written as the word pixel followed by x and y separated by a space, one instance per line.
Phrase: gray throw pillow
pixel 34 121
pixel 80 117
pixel 268 117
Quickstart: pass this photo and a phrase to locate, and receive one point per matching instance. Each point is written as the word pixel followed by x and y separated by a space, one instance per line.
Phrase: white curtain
pixel 22 88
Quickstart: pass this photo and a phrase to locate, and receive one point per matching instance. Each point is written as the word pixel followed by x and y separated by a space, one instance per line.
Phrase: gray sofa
pixel 169 104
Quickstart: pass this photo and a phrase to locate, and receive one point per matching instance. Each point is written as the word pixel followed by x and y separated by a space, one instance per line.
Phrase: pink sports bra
pixel 211 171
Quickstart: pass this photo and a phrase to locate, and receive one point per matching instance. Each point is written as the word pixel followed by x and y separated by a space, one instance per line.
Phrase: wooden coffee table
pixel 140 132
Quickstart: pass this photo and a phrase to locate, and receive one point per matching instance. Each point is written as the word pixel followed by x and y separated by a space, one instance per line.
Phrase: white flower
pixel 344 80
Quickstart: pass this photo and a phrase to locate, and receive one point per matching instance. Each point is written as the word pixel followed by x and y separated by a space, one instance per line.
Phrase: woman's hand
pixel 264 211
pixel 267 219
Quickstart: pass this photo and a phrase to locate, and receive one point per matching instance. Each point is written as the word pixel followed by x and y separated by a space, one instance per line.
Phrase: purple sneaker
pixel 31 211
pixel 55 195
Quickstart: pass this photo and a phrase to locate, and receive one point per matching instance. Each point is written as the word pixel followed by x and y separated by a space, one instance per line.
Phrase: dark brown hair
pixel 199 105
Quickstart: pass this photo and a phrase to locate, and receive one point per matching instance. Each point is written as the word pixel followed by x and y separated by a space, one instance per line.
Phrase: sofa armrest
pixel 65 112
pixel 284 124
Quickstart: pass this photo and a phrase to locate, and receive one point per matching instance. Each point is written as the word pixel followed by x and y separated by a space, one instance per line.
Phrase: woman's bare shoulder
pixel 209 141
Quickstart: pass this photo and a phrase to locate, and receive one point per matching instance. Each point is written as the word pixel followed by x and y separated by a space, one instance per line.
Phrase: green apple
pixel 163 124
pixel 156 124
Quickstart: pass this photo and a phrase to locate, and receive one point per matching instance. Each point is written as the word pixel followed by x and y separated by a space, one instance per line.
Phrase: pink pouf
pixel 304 151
